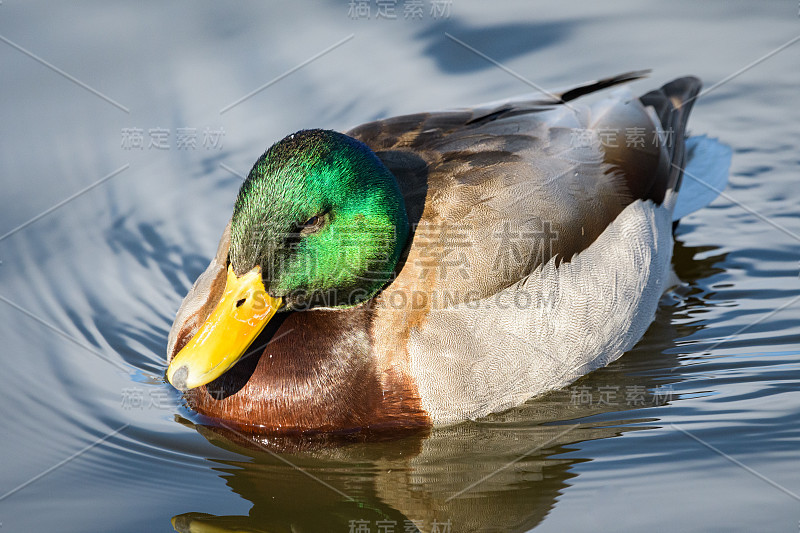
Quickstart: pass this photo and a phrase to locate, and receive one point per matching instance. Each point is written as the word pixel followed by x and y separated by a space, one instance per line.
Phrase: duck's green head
pixel 322 217
pixel 319 222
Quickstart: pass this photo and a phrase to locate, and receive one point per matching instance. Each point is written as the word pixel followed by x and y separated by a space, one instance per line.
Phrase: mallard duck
pixel 436 267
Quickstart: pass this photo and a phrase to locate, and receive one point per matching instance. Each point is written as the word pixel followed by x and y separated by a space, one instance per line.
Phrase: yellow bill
pixel 241 314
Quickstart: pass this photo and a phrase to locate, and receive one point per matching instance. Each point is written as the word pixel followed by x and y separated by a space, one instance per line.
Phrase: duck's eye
pixel 313 224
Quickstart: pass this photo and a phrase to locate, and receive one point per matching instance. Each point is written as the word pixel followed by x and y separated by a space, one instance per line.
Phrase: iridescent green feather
pixel 323 218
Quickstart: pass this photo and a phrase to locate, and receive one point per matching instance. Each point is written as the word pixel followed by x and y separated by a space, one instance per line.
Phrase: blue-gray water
pixel 696 429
